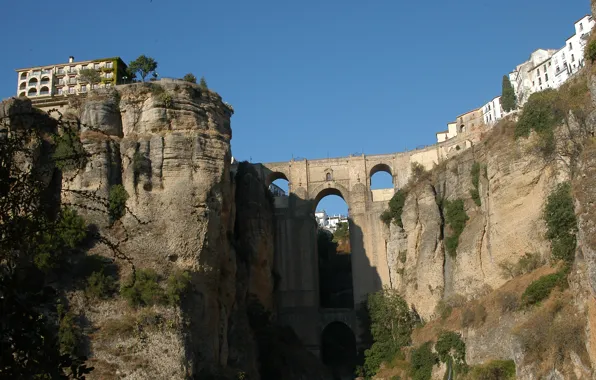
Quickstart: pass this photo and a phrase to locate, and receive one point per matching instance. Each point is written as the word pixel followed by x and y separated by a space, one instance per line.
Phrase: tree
pixel 508 100
pixel 203 84
pixel 143 65
pixel 392 323
pixel 190 78
pixel 89 75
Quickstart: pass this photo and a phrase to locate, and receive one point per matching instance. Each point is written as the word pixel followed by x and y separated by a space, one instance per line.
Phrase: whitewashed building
pixel 551 68
pixel 492 111
pixel 276 190
pixel 524 79
pixel 449 133
pixel 329 222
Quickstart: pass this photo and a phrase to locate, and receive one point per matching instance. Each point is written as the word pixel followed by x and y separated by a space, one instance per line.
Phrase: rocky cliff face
pixel 168 145
pixel 506 225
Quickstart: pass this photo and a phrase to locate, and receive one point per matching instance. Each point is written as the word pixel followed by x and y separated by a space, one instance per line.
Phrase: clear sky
pixel 308 78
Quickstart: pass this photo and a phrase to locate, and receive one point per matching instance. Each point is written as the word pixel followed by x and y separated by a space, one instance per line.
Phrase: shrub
pixel 526 264
pixel 143 289
pixel 100 285
pixel 452 349
pixel 467 318
pixel 392 323
pixel 590 53
pixel 178 284
pixel 493 370
pixel 203 84
pixel 69 153
pixel 475 193
pixel 541 288
pixel 419 173
pixel 561 223
pixel 69 332
pixel 117 202
pixel 539 114
pixel 456 218
pixel 190 78
pixel 396 207
pixel 508 95
pixel 422 362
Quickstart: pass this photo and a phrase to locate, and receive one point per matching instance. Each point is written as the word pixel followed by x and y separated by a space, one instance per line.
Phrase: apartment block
pixel 54 83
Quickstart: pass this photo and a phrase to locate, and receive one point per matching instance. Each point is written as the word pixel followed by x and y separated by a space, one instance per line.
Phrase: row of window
pixel 45 80
pixel 68 70
pixel 69 90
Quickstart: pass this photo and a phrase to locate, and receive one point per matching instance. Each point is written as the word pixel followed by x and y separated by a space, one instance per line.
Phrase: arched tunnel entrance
pixel 338 350
pixel 336 290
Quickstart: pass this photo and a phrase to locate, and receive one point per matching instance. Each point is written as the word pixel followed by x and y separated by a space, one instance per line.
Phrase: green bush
pixel 539 114
pixel 100 285
pixel 69 153
pixel 177 285
pixel 526 264
pixel 117 202
pixel 541 288
pixel 392 323
pixel 456 218
pixel 561 223
pixel 493 370
pixel 396 207
pixel 69 332
pixel 422 362
pixel 143 289
pixel 190 78
pixel 475 193
pixel 452 350
pixel 508 95
pixel 418 172
pixel 590 53
pixel 59 239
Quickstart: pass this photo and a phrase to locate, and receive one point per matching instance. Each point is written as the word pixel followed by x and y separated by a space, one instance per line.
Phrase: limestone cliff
pixel 168 145
pixel 505 226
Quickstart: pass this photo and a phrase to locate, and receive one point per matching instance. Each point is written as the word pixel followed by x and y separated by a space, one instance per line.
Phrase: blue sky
pixel 306 78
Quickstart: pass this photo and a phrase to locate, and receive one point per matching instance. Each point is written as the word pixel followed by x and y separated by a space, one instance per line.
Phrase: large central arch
pixel 339 349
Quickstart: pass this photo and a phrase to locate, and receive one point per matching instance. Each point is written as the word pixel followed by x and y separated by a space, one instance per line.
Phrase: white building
pixel 492 111
pixel 523 78
pixel 449 133
pixel 276 190
pixel 329 222
pixel 551 68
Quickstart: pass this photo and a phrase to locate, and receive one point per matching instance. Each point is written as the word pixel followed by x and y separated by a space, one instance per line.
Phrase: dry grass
pixel 493 304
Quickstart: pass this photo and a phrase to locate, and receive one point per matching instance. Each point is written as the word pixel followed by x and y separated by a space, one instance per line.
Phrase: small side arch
pixel 33 82
pixel 32 92
pixel 274 176
pixel 321 192
pixel 338 349
pixel 381 168
pixel 23 86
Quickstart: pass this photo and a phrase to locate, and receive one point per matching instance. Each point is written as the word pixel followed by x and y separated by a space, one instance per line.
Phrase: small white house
pixel 492 111
pixel 449 133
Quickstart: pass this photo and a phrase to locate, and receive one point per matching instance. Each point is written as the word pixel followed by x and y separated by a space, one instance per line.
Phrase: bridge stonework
pixel 296 259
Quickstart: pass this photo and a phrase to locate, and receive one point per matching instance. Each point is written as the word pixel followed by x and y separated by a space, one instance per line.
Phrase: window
pixel 538 72
pixel 83 88
pixel 570 46
pixel 540 81
pixel 71 90
pixel 109 65
pixel 94 86
pixel 109 75
pixel 60 71
pixel 546 77
pixel 328 177
pixel 558 69
pixel 96 66
pixel 61 82
pixel 108 85
pixel 72 70
pixel 59 91
pixel 581 26
pixel 573 59
pixel 533 83
pixel 23 75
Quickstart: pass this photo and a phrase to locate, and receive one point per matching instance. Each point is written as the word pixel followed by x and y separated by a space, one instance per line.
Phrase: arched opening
pixel 22 93
pixel 23 86
pixel 328 177
pixel 338 350
pixel 334 252
pixel 23 75
pixel 45 80
pixel 33 82
pixel 44 91
pixel 381 177
pixel 278 184
pixel 32 92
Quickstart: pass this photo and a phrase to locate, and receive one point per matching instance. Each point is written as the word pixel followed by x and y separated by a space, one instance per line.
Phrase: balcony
pixel 71 81
pixel 60 72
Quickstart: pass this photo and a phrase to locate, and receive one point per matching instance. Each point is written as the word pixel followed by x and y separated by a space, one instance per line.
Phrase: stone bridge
pixel 296 258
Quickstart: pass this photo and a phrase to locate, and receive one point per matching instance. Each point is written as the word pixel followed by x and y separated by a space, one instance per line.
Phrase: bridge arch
pixel 380 168
pixel 274 176
pixel 324 190
pixel 338 349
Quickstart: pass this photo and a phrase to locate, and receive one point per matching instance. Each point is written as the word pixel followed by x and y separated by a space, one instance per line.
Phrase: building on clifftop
pixel 52 85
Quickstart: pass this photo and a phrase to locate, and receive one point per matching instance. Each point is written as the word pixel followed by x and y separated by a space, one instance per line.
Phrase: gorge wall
pixel 168 145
